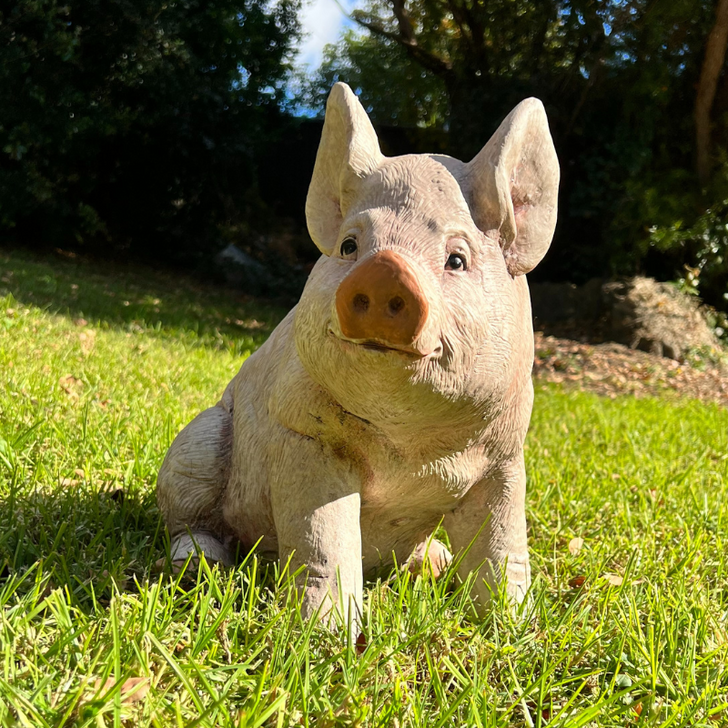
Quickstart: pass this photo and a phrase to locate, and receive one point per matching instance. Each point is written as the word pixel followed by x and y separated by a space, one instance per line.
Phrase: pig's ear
pixel 348 152
pixel 512 186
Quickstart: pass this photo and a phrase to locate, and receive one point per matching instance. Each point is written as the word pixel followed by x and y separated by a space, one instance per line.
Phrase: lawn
pixel 102 366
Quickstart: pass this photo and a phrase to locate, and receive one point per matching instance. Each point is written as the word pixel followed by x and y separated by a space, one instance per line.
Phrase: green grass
pixel 102 367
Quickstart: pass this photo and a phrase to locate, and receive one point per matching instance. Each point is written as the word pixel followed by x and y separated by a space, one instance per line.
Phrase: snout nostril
pixel 361 303
pixel 381 300
pixel 396 304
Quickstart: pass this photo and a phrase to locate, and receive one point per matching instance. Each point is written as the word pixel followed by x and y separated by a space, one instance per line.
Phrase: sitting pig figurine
pixel 397 394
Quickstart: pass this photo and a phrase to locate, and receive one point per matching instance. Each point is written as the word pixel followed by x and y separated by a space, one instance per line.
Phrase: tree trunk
pixel 715 50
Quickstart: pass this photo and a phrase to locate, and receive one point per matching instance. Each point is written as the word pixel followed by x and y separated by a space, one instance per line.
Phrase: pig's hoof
pixel 430 556
pixel 174 567
pixel 195 543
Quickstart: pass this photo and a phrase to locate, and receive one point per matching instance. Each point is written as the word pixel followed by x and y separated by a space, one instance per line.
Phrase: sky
pixel 323 22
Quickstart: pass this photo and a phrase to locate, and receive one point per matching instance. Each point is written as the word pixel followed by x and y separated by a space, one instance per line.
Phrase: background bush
pixel 134 125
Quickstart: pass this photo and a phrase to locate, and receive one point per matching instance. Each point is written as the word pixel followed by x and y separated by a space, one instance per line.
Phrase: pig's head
pixel 418 313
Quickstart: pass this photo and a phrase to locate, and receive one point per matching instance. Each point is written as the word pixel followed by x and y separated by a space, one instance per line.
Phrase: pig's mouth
pixel 374 345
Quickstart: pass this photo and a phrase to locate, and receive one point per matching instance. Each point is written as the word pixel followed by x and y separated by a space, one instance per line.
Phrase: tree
pixel 709 75
pixel 392 88
pixel 133 123
pixel 489 55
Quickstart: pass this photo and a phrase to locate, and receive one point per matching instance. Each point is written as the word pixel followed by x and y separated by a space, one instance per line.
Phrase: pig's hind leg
pixel 191 484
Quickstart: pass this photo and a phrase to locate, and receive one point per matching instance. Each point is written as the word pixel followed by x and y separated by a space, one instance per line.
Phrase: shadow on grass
pixel 93 544
pixel 90 541
pixel 135 297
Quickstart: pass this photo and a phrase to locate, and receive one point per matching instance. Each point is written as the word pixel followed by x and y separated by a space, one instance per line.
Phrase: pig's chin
pixel 399 390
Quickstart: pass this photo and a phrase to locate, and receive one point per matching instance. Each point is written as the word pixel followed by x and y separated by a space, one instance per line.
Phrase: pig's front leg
pixel 316 508
pixel 493 517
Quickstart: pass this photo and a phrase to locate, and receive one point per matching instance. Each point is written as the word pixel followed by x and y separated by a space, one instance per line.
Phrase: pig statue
pixel 397 394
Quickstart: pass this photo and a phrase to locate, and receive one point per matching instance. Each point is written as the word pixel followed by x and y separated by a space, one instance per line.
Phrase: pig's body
pixel 397 393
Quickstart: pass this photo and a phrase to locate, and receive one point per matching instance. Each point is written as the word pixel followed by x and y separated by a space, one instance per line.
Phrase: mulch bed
pixel 612 369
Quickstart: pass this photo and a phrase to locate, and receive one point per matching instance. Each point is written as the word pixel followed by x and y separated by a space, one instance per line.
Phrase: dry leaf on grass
pixel 88 339
pixel 70 385
pixel 133 689
pixel 545 712
pixel 251 324
pixel 577 581
pixel 575 545
pixel 614 579
pixel 361 643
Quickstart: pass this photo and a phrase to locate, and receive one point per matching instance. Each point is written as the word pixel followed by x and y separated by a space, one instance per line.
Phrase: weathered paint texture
pixel 397 394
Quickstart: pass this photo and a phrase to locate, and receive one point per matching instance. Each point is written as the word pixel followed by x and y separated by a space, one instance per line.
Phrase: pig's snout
pixel 381 301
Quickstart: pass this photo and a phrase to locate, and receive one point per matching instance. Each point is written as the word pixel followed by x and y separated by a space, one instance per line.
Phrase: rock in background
pixel 269 274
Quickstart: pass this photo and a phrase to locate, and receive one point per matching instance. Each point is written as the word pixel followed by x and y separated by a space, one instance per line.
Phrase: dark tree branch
pixel 407 39
pixel 539 41
pixel 403 22
pixel 459 18
pixel 582 98
pixel 477 29
pixel 596 44
pixel 715 50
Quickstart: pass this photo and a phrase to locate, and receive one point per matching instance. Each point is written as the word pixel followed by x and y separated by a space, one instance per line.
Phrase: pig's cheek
pixel 463 324
pixel 334 327
pixel 430 339
pixel 315 346
pixel 313 320
pixel 317 301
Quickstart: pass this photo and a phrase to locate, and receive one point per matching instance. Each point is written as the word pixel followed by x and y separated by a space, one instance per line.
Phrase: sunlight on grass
pixel 627 622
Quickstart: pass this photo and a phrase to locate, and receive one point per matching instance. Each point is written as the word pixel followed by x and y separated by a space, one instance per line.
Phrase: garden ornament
pixel 397 394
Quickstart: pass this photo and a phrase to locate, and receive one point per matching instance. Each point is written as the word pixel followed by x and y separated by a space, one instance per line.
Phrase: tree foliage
pixel 392 88
pixel 619 81
pixel 133 123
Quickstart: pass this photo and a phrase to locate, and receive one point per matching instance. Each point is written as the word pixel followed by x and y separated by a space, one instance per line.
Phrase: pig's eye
pixel 456 262
pixel 348 247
